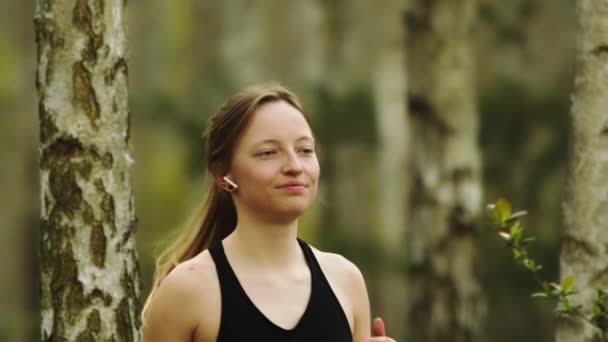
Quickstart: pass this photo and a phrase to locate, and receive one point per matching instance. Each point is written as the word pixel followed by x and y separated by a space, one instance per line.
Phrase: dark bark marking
pixel 99 7
pixel 63 148
pixel 570 245
pixel 131 285
pixel 421 108
pixel 461 174
pixel 84 93
pixel 65 189
pixel 67 290
pixel 131 228
pixel 84 169
pixel 98 295
pixel 434 288
pixel 98 245
pixel 107 161
pixel 107 204
pixel 600 50
pixel 120 66
pixel 99 185
pixel 87 214
pixel 46 36
pixel 123 321
pixel 128 135
pixel 93 328
pixel 418 17
pixel 67 149
pixel 460 224
pixel 48 129
pixel 82 17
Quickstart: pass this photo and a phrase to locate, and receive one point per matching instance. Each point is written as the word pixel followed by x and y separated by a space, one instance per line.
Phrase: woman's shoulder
pixel 191 278
pixel 338 265
pixel 188 293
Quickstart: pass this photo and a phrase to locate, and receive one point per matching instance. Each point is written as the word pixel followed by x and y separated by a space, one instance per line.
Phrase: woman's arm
pixel 361 309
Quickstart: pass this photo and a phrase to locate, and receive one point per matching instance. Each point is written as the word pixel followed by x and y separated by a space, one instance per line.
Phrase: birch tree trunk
pixel 90 283
pixel 389 92
pixel 446 300
pixel 584 251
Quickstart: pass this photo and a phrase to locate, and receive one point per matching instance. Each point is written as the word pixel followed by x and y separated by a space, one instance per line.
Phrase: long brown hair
pixel 215 218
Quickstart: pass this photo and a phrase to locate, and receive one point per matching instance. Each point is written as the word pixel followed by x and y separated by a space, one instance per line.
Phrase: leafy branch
pixel 508 226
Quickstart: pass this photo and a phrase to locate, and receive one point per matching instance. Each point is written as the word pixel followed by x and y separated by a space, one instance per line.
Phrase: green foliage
pixel 509 228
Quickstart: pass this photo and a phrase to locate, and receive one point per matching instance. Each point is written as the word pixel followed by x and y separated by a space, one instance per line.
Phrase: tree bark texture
pixel 90 285
pixel 584 252
pixel 446 301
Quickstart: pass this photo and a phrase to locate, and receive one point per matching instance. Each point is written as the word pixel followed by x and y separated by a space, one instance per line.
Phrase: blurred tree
pixel 90 284
pixel 392 125
pixel 584 252
pixel 446 300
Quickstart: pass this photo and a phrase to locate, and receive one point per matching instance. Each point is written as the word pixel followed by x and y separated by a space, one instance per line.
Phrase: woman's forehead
pixel 276 122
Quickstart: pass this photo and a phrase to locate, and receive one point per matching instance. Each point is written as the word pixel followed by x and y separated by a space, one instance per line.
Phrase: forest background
pixel 186 57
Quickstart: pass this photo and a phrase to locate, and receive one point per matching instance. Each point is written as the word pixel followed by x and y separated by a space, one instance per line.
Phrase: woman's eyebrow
pixel 273 141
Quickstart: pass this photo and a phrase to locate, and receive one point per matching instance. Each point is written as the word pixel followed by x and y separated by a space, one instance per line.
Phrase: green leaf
pixel 555 289
pixel 531 265
pixel 540 295
pixel 517 215
pixel 517 232
pixel 505 235
pixel 517 254
pixel 528 240
pixel 567 284
pixel 502 209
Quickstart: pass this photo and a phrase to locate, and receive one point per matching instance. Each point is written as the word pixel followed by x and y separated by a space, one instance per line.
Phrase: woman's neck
pixel 269 245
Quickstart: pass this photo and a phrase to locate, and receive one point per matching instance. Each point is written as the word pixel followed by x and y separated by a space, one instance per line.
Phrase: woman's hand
pixel 378 332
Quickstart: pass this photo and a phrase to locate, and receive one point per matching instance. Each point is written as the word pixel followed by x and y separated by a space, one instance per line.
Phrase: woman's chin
pixel 291 213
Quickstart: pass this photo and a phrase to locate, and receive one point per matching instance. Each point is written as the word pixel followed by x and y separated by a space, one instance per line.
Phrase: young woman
pixel 241 273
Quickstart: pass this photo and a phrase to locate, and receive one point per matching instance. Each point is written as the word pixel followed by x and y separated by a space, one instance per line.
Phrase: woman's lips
pixel 293 187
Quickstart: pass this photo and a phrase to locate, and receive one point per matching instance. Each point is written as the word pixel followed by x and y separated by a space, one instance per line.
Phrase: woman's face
pixel 275 163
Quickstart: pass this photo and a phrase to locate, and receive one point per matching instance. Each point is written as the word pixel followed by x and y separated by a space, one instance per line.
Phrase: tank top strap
pixel 229 283
pixel 313 264
pixel 219 258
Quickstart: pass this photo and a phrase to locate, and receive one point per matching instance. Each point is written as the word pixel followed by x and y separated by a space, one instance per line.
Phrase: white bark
pixel 90 278
pixel 447 303
pixel 389 92
pixel 585 244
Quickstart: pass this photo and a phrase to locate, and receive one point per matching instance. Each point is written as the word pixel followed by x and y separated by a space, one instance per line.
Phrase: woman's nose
pixel 292 164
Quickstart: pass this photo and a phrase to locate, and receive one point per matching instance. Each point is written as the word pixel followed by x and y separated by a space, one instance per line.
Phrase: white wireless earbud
pixel 230 182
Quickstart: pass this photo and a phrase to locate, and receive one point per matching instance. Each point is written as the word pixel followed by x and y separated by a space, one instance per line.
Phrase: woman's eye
pixel 307 150
pixel 266 153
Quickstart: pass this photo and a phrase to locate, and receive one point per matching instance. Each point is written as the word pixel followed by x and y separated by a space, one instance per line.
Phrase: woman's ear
pixel 219 176
pixel 225 182
pixel 231 185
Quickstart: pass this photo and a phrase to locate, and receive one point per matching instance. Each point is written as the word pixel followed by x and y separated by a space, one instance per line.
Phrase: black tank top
pixel 323 320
